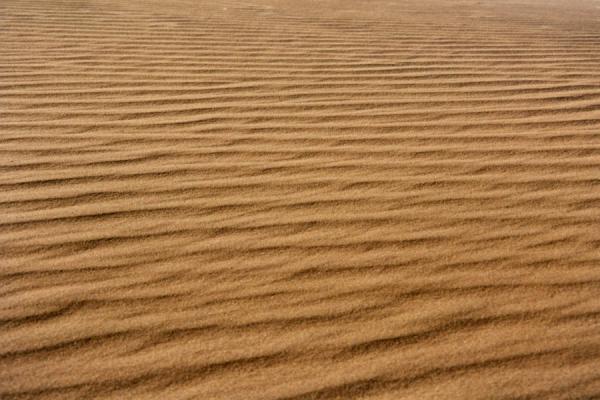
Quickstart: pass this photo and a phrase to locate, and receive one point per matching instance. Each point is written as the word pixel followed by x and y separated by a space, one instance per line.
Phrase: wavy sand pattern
pixel 277 199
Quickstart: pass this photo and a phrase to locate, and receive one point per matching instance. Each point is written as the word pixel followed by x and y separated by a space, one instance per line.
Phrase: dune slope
pixel 276 199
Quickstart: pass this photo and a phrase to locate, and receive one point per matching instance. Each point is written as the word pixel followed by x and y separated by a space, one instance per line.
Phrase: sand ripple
pixel 276 199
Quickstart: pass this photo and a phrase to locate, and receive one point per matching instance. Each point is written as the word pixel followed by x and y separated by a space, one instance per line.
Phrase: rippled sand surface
pixel 277 199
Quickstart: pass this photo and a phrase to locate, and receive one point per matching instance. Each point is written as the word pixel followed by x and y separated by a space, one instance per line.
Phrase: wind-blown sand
pixel 277 199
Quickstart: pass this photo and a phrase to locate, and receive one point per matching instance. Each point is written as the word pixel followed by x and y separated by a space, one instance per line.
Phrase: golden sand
pixel 277 199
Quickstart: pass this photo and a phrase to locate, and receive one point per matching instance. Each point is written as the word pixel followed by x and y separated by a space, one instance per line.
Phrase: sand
pixel 277 199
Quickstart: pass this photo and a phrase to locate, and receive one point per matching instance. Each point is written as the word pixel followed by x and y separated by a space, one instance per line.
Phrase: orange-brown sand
pixel 299 199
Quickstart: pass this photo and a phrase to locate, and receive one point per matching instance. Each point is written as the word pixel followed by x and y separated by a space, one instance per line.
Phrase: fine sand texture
pixel 299 199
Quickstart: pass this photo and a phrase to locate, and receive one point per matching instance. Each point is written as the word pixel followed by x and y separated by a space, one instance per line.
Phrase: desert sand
pixel 277 199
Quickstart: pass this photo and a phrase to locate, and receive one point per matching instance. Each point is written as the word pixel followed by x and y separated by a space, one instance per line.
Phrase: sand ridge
pixel 276 199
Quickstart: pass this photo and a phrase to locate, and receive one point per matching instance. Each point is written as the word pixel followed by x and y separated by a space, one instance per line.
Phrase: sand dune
pixel 277 199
